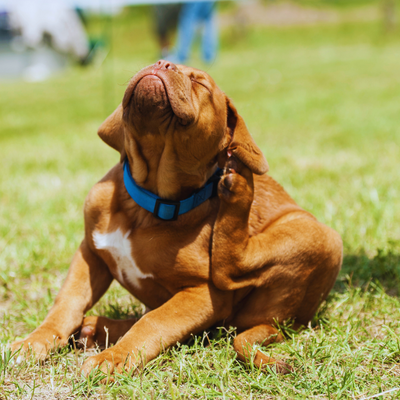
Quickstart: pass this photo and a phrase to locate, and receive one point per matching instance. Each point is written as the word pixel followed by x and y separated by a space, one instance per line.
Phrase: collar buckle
pixel 160 202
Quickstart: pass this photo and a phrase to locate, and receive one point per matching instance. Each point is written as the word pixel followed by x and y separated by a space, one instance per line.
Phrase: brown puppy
pixel 247 257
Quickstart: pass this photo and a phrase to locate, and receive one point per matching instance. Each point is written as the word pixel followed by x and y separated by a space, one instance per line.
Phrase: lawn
pixel 323 104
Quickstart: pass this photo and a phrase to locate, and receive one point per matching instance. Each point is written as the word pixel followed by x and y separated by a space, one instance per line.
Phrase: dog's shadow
pixel 383 268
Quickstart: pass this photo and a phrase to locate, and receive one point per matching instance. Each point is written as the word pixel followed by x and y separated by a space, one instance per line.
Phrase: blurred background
pixel 317 82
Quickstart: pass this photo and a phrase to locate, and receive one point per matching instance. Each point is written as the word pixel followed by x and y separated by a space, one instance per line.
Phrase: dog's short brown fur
pixel 247 258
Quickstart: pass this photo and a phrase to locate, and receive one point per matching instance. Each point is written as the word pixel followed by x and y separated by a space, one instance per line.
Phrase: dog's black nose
pixel 163 64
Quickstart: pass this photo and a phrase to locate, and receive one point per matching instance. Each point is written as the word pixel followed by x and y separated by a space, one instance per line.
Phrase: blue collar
pixel 169 210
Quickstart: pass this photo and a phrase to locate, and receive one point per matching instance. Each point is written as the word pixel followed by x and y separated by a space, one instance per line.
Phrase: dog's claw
pixel 109 361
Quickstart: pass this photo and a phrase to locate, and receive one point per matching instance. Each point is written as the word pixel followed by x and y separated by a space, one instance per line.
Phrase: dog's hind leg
pixel 295 246
pixel 264 335
pixel 103 331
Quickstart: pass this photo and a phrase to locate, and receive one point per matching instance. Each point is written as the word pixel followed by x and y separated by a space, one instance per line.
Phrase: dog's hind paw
pixel 102 331
pixel 236 185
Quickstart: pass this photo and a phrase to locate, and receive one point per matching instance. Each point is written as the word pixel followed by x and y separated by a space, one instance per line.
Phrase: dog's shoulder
pixel 103 196
pixel 271 202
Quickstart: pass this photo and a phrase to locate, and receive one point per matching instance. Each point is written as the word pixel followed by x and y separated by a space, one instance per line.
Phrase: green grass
pixel 322 102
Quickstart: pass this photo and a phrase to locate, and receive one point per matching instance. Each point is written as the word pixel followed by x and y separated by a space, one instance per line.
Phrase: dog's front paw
pixel 110 361
pixel 236 185
pixel 38 344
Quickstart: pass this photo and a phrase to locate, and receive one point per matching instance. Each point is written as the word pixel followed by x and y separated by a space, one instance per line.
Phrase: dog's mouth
pixel 150 96
pixel 156 93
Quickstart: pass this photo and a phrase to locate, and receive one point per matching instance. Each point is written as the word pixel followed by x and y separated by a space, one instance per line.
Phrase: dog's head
pixel 175 125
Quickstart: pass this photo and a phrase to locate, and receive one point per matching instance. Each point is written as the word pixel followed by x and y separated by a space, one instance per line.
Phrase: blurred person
pixel 192 16
pixel 5 29
pixel 389 14
pixel 36 20
pixel 166 21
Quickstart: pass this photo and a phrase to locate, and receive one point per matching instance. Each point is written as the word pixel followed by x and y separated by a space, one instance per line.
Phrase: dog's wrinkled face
pixel 171 94
pixel 175 125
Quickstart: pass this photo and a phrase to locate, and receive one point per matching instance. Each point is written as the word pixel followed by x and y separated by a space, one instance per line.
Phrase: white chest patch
pixel 119 246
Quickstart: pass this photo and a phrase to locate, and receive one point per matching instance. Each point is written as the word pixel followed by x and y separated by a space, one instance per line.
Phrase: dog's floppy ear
pixel 242 144
pixel 111 131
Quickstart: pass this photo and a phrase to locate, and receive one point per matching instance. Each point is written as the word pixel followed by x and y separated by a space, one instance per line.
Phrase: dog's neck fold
pixel 156 167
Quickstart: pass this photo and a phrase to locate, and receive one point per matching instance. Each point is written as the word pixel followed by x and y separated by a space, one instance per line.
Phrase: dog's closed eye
pixel 195 81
